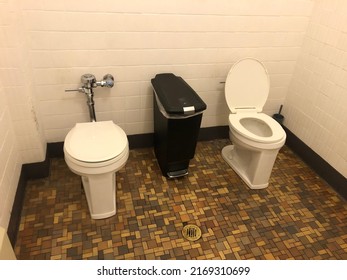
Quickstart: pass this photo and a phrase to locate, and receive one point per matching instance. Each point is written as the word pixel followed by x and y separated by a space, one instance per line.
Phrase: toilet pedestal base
pixel 240 163
pixel 100 191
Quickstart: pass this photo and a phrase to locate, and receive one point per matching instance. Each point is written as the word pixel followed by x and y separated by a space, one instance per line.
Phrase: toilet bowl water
pixel 256 137
pixel 95 151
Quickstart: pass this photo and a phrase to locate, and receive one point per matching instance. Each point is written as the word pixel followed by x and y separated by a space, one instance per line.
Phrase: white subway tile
pixel 147 115
pixel 133 102
pixel 20 111
pixel 56 135
pixel 62 122
pixel 138 127
pixel 34 155
pixel 32 4
pixel 147 101
pixel 132 116
pixel 63 107
pixel 5 150
pixel 117 103
pixel 316 117
pixel 198 40
pixel 45 20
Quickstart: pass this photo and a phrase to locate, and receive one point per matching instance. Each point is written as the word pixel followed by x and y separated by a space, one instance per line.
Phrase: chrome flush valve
pixel 89 82
pixel 107 81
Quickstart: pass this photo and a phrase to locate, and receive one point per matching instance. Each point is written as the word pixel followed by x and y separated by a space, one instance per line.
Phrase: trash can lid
pixel 176 96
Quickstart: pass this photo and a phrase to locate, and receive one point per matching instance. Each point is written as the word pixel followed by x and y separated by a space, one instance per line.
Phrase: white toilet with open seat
pixel 95 151
pixel 256 137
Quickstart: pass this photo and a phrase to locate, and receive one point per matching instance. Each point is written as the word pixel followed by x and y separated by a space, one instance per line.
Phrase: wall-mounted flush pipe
pixel 88 83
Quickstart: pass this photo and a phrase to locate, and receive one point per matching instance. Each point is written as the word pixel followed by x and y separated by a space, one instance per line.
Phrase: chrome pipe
pixel 90 103
pixel 89 82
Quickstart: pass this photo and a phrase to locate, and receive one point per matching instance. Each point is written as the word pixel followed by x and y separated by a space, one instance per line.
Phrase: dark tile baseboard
pixel 317 163
pixel 41 169
pixel 13 225
pixel 29 171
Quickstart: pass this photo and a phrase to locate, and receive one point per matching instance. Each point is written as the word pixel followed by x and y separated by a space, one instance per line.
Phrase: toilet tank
pixel 6 250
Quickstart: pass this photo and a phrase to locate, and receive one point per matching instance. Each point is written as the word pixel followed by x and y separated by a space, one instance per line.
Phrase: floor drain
pixel 191 232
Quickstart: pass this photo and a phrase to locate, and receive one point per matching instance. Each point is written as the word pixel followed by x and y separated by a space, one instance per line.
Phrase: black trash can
pixel 177 118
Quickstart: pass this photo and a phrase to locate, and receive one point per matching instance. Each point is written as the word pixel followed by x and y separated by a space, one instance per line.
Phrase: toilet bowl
pixel 96 151
pixel 256 137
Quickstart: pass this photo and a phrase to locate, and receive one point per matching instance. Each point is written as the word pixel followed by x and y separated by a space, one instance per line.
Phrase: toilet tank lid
pixel 95 141
pixel 247 86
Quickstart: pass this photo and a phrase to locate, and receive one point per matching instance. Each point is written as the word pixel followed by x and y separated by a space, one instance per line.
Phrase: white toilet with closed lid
pixel 95 151
pixel 256 137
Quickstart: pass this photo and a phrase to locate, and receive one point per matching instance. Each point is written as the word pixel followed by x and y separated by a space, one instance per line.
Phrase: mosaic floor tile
pixel 299 216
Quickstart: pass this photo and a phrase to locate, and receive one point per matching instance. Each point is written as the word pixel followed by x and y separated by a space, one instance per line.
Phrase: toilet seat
pixel 273 132
pixel 97 143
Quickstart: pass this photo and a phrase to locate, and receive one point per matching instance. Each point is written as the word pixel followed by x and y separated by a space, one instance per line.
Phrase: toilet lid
pixel 247 86
pixel 95 141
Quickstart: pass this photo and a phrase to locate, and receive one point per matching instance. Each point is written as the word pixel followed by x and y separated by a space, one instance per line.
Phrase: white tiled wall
pixel 135 39
pixel 20 139
pixel 17 80
pixel 316 104
pixel 10 161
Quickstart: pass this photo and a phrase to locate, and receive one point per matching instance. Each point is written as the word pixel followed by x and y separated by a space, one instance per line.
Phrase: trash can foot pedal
pixel 176 174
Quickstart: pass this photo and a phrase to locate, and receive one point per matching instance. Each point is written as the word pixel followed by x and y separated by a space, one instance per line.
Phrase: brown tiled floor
pixel 298 216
